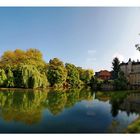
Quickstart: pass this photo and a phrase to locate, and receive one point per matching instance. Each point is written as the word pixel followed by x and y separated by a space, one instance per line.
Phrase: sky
pixel 86 37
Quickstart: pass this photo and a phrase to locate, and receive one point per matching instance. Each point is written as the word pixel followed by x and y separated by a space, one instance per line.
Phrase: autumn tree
pixel 15 58
pixel 27 69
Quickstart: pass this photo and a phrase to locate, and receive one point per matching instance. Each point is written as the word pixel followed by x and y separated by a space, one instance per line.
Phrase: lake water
pixel 72 111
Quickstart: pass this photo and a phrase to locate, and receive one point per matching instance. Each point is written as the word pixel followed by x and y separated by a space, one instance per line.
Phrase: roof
pixel 133 63
pixel 104 72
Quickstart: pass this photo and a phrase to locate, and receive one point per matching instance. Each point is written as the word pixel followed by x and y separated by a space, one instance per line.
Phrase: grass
pixel 134 127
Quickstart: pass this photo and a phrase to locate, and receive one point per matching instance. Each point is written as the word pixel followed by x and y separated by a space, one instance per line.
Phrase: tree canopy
pixel 27 69
pixel 56 72
pixel 116 67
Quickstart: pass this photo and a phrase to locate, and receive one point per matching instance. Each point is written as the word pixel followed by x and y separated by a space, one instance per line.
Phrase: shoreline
pixel 133 127
pixel 49 88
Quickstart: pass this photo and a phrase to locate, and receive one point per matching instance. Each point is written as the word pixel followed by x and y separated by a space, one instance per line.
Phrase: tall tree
pixel 3 77
pixel 73 78
pixel 10 78
pixel 32 78
pixel 56 73
pixel 85 74
pixel 116 67
pixel 121 82
pixel 15 58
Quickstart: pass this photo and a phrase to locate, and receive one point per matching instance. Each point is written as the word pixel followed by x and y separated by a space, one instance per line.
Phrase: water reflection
pixel 28 107
pixel 22 106
pixel 127 101
pixel 56 101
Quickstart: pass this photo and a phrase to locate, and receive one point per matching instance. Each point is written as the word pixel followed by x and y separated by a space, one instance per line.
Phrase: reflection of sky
pixel 124 119
pixel 95 117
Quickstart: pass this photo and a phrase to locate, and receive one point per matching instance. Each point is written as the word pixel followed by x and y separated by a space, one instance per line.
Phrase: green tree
pixel 85 75
pixel 3 77
pixel 121 82
pixel 73 78
pixel 116 67
pixel 10 79
pixel 56 73
pixel 32 78
pixel 96 83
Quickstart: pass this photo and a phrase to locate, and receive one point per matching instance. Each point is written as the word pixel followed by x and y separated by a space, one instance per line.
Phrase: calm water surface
pixel 73 111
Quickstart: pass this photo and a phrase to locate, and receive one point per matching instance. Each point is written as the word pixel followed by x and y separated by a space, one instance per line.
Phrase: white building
pixel 131 70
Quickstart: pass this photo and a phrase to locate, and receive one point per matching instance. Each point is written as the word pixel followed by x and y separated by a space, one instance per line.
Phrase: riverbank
pixel 134 127
pixel 50 88
pixel 24 89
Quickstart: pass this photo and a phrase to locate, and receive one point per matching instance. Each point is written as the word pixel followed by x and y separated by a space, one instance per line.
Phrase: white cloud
pixel 120 56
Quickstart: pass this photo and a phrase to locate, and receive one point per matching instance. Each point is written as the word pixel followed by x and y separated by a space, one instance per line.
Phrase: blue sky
pixel 87 37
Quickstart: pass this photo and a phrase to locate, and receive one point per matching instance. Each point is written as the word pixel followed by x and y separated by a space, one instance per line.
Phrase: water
pixel 73 111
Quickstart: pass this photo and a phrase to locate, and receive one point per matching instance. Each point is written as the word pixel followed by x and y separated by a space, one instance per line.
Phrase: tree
pixel 10 79
pixel 85 75
pixel 32 78
pixel 137 47
pixel 116 67
pixel 88 75
pixel 27 69
pixel 96 83
pixel 121 82
pixel 72 75
pixel 56 73
pixel 3 77
pixel 15 58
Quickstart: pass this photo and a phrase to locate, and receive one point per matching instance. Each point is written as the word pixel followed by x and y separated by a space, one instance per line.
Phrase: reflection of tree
pixel 116 100
pixel 23 106
pixel 27 105
pixel 103 96
pixel 85 94
pixel 72 97
pixel 113 126
pixel 56 101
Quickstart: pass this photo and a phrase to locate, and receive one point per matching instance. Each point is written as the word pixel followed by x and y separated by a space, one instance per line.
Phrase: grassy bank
pixel 134 127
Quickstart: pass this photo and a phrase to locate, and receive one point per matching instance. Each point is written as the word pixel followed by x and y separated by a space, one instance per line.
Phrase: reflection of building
pixel 131 103
pixel 131 70
pixel 103 74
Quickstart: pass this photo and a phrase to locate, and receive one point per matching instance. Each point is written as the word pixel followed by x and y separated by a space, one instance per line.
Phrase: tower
pixel 129 67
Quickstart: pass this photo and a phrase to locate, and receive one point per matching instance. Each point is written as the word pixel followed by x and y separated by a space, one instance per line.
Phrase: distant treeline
pixel 27 69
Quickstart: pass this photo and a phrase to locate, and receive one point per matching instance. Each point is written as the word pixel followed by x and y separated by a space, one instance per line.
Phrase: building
pixel 131 70
pixel 103 74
